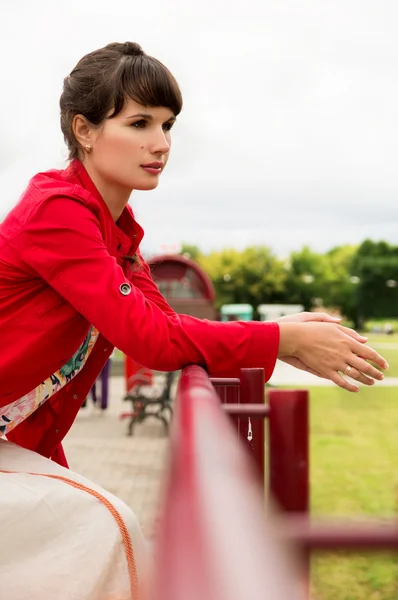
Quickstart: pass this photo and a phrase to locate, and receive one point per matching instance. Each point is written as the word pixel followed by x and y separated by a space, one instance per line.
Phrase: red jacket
pixel 61 269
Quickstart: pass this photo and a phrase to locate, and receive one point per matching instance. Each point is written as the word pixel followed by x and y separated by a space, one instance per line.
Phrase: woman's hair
pixel 103 80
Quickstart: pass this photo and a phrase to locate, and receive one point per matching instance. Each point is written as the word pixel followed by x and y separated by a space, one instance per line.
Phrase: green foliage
pixel 191 251
pixel 360 282
pixel 253 276
pixel 340 286
pixel 376 265
pixel 324 279
pixel 304 277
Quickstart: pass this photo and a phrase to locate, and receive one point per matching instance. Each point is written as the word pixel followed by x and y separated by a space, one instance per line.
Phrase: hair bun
pixel 131 49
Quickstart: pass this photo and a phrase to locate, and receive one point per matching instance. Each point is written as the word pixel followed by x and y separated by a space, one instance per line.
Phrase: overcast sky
pixel 289 130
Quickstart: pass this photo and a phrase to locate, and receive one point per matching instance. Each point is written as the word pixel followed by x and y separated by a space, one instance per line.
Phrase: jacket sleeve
pixel 63 244
pixel 142 279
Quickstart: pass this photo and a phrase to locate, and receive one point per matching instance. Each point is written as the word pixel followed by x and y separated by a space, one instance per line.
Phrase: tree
pixel 340 281
pixel 305 278
pixel 254 276
pixel 362 282
pixel 376 266
pixel 191 251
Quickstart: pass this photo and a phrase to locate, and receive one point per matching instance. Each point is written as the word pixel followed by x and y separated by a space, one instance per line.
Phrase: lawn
pixel 354 472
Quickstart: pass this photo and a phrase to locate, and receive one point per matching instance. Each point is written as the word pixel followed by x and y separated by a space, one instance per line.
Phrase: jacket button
pixel 125 289
pixel 75 396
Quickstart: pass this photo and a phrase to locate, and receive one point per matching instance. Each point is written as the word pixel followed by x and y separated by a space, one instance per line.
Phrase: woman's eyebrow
pixel 149 117
pixel 142 115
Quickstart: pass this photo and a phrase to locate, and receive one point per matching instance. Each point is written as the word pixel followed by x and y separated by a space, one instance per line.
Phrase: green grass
pixel 354 473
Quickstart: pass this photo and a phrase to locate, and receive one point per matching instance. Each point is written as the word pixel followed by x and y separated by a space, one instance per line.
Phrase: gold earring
pixel 88 148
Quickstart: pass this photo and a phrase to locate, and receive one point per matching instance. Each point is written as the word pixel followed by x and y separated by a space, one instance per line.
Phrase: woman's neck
pixel 116 198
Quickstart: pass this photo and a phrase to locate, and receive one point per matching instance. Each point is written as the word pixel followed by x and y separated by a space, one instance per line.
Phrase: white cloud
pixel 288 134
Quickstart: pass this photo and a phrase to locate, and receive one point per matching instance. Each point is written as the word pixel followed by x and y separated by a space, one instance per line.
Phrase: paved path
pixel 130 467
pixel 384 345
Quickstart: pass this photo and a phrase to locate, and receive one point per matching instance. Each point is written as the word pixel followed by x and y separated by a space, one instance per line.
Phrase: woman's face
pixel 131 150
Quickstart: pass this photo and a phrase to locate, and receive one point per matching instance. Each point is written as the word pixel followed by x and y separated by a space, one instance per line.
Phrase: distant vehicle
pixel 236 312
pixel 271 312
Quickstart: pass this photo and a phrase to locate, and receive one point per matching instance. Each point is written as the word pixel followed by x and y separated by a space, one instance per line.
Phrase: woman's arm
pixel 63 244
pixel 141 277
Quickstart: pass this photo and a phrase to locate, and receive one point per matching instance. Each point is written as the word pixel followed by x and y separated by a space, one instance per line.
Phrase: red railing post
pixel 252 391
pixel 228 394
pixel 289 449
pixel 288 453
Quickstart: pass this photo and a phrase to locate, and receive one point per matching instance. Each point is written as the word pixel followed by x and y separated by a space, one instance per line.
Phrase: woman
pixel 73 284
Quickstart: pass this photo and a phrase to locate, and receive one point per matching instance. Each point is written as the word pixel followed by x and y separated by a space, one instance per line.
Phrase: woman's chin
pixel 147 185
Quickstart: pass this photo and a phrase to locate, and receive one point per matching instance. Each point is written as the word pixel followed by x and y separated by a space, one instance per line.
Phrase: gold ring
pixel 347 370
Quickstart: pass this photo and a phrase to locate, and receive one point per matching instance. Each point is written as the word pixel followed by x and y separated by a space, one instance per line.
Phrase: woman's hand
pixel 298 364
pixel 306 317
pixel 328 350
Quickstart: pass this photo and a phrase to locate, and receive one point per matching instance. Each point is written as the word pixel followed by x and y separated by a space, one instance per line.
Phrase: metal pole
pixel 289 454
pixel 252 391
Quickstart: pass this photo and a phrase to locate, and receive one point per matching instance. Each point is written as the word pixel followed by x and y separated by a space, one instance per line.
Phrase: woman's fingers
pixel 338 379
pixel 341 382
pixel 366 353
pixel 359 376
pixel 361 364
pixel 307 317
pixel 322 317
pixel 298 364
pixel 329 349
pixel 354 334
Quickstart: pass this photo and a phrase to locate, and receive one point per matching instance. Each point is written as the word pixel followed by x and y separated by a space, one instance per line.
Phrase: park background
pixel 282 184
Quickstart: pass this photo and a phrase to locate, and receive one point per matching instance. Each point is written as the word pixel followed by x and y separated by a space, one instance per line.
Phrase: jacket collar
pixel 127 230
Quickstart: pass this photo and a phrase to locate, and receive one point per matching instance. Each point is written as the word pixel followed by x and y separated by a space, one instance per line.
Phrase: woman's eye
pixel 139 124
pixel 167 126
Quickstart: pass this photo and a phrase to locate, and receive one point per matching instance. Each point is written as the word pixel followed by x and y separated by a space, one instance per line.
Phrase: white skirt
pixel 63 537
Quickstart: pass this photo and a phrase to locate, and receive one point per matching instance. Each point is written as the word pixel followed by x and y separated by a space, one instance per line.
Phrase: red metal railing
pixel 246 391
pixel 288 452
pixel 336 534
pixel 215 540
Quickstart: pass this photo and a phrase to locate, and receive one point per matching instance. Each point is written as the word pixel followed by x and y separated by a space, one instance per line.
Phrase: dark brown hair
pixel 103 80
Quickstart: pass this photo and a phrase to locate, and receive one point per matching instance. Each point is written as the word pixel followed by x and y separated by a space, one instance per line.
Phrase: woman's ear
pixel 82 131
